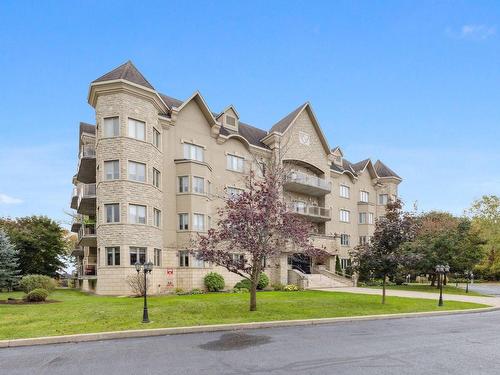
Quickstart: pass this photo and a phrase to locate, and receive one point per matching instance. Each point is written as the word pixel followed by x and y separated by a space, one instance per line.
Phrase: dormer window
pixel 230 120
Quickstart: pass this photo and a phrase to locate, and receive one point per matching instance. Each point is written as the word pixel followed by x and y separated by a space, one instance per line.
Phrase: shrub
pixel 240 290
pixel 278 287
pixel 291 288
pixel 32 282
pixel 37 295
pixel 196 291
pixel 214 282
pixel 136 283
pixel 245 283
pixel 263 281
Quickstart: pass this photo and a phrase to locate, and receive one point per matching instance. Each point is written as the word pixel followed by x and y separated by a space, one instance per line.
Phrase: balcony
pixel 87 235
pixel 77 252
pixel 77 223
pixel 314 213
pixel 87 199
pixel 87 271
pixel 327 242
pixel 307 184
pixel 74 198
pixel 86 172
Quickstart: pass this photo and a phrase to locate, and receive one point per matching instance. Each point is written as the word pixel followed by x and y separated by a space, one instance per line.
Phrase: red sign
pixel 170 271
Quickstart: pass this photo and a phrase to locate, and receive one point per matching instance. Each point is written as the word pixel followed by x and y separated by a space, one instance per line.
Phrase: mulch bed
pixel 22 302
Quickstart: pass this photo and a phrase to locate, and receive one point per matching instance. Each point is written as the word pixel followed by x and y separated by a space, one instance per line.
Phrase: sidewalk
pixel 491 301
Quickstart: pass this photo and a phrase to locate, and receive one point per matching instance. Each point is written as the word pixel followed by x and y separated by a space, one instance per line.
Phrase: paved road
pixel 453 344
pixel 485 288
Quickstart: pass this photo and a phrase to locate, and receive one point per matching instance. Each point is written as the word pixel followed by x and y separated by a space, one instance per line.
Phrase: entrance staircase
pixel 327 279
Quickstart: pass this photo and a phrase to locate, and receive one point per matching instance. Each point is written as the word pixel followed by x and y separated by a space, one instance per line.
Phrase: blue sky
pixel 414 83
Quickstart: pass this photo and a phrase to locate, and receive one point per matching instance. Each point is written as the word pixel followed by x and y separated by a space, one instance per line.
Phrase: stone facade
pixel 122 93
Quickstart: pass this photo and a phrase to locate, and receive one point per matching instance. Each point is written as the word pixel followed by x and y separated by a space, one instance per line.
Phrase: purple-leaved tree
pixel 256 224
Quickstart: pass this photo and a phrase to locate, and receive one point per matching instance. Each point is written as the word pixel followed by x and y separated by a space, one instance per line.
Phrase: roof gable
pixel 203 106
pixel 384 171
pixel 127 72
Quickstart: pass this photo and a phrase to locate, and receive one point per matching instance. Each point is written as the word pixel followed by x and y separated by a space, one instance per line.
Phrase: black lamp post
pixel 468 277
pixel 441 271
pixel 146 268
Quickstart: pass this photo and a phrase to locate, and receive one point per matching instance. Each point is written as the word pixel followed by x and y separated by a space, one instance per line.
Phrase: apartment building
pixel 152 171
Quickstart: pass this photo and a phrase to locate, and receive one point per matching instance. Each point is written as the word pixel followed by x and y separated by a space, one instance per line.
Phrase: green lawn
pixel 82 313
pixel 447 289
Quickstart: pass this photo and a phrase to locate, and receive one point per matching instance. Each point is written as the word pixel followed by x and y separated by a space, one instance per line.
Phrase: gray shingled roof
pixel 359 166
pixel 86 128
pixel 384 171
pixel 285 122
pixel 171 102
pixel 127 72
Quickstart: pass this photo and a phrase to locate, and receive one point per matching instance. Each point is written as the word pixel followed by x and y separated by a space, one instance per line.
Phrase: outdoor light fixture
pixel 441 271
pixel 468 277
pixel 146 268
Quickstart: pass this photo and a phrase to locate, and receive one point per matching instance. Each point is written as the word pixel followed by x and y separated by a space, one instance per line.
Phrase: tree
pixel 254 226
pixel 41 242
pixel 485 214
pixel 445 239
pixel 385 253
pixel 9 264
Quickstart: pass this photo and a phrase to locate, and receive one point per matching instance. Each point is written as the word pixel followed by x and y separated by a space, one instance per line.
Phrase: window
pixel 183 258
pixel 345 263
pixel 199 263
pixel 112 213
pixel 137 254
pixel 345 239
pixel 136 214
pixel 113 256
pixel 233 192
pixel 136 129
pixel 156 217
pixel 299 207
pixel 198 222
pixel 363 240
pixel 157 258
pixel 364 196
pixel 238 258
pixel 383 198
pixel 230 120
pixel 362 217
pixel 183 184
pixel 370 217
pixel 111 170
pixel 235 163
pixel 156 178
pixel 156 138
pixel 198 185
pixel 111 127
pixel 344 216
pixel 345 191
pixel 193 152
pixel 183 221
pixel 209 222
pixel 136 171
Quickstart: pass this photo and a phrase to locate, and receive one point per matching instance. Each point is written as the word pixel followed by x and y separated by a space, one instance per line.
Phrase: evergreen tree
pixel 9 263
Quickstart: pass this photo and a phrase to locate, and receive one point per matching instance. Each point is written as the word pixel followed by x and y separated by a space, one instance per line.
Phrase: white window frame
pixel 115 254
pixel 114 174
pixel 344 216
pixel 138 250
pixel 180 187
pixel 183 221
pixel 370 217
pixel 136 129
pixel 233 192
pixel 196 222
pixel 157 257
pixel 196 186
pixel 115 212
pixel 345 239
pixel 383 199
pixel 344 191
pixel 132 176
pixel 364 196
pixel 363 218
pixel 193 152
pixel 183 258
pixel 156 217
pixel 114 123
pixel 134 214
pixel 156 138
pixel 156 178
pixel 235 163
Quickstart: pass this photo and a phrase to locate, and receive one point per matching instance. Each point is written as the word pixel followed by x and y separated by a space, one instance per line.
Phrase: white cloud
pixel 6 199
pixel 473 32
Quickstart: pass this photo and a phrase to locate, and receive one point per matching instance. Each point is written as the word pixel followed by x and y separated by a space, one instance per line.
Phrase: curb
pixel 86 337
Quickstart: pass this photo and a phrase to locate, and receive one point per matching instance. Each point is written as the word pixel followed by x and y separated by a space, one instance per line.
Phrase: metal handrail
pixel 310 210
pixel 87 151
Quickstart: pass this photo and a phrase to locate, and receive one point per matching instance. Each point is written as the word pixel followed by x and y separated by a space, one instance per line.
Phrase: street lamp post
pixel 441 271
pixel 146 268
pixel 468 276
